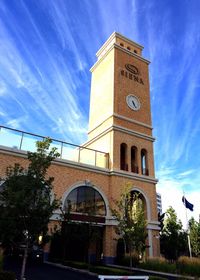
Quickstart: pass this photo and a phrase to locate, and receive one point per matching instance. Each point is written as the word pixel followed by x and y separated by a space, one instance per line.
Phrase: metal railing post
pixel 20 146
pixel 95 160
pixel 61 149
pixel 79 155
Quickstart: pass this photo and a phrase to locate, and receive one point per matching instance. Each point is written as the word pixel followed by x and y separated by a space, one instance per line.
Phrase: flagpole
pixel 188 233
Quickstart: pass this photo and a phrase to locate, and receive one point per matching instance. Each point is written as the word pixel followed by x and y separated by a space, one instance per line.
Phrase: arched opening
pixel 134 164
pixel 85 201
pixel 136 213
pixel 83 225
pixel 144 162
pixel 123 157
pixel 138 202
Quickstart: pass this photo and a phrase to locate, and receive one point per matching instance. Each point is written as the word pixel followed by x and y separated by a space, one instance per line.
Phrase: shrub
pixel 6 275
pixel 79 265
pixel 189 266
pixel 125 261
pixel 158 264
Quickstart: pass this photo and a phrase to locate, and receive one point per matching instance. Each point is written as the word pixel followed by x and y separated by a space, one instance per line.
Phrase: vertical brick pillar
pixel 46 251
pixel 109 245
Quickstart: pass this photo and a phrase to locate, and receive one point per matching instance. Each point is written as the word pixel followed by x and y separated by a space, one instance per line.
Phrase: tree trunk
pixel 64 238
pixel 130 255
pixel 22 277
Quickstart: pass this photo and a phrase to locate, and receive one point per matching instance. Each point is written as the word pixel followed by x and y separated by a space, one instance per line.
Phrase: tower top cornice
pixel 118 39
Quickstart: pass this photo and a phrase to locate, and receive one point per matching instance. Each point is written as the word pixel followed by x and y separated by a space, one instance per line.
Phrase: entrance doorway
pixel 82 242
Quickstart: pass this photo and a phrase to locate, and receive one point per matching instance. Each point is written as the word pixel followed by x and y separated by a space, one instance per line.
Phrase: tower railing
pixel 21 140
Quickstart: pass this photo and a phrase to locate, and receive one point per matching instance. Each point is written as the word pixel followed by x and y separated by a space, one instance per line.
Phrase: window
pixel 86 200
pixel 144 167
pixel 138 203
pixel 121 44
pixel 135 51
pixel 134 164
pixel 123 157
pixel 128 48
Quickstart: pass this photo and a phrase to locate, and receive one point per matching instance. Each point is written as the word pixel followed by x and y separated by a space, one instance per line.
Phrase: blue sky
pixel 48 47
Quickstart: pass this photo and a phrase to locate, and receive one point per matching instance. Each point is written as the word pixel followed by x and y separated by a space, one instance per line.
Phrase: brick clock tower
pixel 120 124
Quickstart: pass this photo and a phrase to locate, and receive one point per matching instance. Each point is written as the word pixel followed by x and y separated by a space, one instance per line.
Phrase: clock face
pixel 133 102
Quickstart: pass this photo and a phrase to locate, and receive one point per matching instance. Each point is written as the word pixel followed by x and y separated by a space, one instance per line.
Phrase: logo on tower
pixel 132 73
pixel 133 69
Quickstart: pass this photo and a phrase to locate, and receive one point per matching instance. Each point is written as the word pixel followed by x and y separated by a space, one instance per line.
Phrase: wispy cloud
pixel 3 88
pixel 51 89
pixel 173 184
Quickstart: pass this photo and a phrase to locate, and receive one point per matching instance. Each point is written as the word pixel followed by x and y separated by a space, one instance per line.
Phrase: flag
pixel 187 204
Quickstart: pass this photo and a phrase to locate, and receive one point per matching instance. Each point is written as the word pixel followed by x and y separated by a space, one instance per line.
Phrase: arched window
pixel 86 200
pixel 138 203
pixel 144 166
pixel 134 164
pixel 123 157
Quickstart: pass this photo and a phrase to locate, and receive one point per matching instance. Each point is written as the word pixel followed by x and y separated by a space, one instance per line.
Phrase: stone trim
pixel 132 120
pixel 118 47
pixel 90 184
pixel 123 118
pixel 86 167
pixel 134 176
pixel 114 35
pixel 150 239
pixel 132 132
pixel 121 129
pixel 72 164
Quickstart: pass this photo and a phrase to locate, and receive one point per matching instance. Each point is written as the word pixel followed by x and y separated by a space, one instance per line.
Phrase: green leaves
pixel 129 214
pixel 194 233
pixel 173 239
pixel 26 199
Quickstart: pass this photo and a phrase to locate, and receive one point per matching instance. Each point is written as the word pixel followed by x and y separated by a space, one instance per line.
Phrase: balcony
pixel 20 140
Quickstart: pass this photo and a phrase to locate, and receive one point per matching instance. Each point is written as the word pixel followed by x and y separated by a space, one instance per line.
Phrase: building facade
pixel 159 203
pixel 119 150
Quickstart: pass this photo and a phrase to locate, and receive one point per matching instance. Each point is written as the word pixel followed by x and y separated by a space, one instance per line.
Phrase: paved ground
pixel 37 271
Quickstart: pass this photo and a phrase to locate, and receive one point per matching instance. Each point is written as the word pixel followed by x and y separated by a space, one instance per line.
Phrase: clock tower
pixel 120 124
pixel 120 105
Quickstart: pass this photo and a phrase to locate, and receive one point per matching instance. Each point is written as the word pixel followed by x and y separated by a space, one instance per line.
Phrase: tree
pixel 194 232
pixel 26 202
pixel 173 239
pixel 131 223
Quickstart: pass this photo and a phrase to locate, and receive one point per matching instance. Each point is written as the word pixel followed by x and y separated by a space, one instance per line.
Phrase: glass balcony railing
pixel 25 141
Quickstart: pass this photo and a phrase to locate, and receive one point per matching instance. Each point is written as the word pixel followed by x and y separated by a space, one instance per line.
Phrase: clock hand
pixel 134 104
